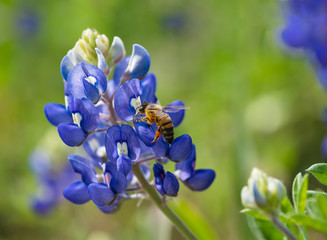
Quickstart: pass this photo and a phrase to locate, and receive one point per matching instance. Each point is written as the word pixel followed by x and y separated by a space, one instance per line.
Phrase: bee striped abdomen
pixel 167 128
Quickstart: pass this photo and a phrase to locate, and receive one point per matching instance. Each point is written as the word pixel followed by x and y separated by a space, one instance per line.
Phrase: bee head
pixel 141 109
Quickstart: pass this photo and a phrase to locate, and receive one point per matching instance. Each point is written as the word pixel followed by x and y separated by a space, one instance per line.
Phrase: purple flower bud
pixel 140 62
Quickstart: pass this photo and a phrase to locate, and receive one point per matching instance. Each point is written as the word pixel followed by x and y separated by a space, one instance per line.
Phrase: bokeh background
pixel 253 103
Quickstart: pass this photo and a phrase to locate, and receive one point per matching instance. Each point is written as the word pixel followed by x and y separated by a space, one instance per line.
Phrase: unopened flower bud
pixel 263 192
pixel 102 43
pixel 117 51
pixel 89 36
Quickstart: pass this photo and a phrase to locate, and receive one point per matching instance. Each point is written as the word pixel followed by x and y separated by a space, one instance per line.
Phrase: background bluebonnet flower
pixel 51 181
pixel 305 29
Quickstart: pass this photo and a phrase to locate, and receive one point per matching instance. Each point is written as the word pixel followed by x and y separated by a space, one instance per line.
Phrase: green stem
pixel 281 227
pixel 161 204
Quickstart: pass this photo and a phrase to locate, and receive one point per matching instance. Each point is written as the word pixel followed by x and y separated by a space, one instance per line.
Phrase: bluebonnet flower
pixel 100 113
pixel 306 29
pixel 166 183
pixel 51 181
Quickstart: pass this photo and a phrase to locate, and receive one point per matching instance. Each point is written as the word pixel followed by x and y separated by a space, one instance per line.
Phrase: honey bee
pixel 155 113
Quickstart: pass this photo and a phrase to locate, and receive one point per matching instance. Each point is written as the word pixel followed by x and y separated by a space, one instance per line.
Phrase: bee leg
pixel 143 119
pixel 158 133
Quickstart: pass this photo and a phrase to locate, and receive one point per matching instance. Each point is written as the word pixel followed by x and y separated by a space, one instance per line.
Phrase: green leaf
pixel 313 209
pixel 286 205
pixel 262 229
pixel 302 219
pixel 254 213
pixel 315 194
pixel 299 192
pixel 322 203
pixel 319 170
pixel 192 216
pixel 317 205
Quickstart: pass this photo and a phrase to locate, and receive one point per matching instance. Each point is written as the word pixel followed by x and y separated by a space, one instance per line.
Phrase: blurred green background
pixel 252 104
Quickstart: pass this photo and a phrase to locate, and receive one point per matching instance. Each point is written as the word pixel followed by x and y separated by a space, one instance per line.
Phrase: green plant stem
pixel 280 226
pixel 154 195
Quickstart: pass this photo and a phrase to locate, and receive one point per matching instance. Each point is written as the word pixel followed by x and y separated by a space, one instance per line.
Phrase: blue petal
pixel 124 164
pixel 177 117
pixel 84 167
pixel 112 137
pixel 56 113
pixel 120 69
pixel 322 76
pixel 71 134
pixel 90 114
pixel 91 91
pixel 201 180
pixel 128 135
pixel 145 133
pixel 100 194
pixel 148 87
pixel 161 147
pixel 170 184
pixel 111 87
pixel 123 97
pixel 296 33
pixel 145 150
pixel 320 51
pixel 91 70
pixel 181 148
pixel 139 63
pixel 112 208
pixel 76 193
pixel 77 75
pixel 186 168
pixel 159 176
pixel 66 66
pixel 118 182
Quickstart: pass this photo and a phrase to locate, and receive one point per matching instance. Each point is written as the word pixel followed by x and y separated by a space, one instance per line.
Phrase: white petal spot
pixel 125 149
pixel 77 117
pixel 136 102
pixel 122 148
pixel 119 148
pixel 91 79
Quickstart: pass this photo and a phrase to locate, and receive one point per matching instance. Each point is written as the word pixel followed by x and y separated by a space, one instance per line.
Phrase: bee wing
pixel 174 108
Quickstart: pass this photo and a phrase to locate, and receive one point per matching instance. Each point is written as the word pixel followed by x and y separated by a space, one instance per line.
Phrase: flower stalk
pixel 277 223
pixel 162 205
